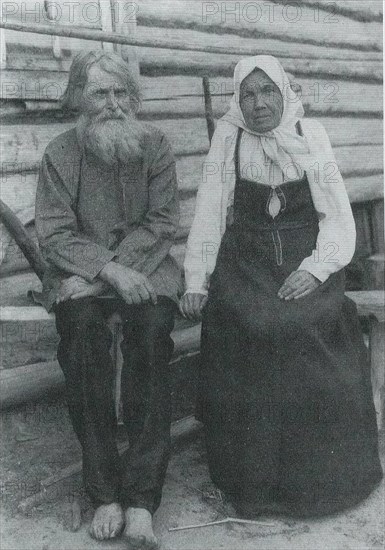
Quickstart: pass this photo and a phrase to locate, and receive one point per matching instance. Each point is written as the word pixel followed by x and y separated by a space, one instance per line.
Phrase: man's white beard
pixel 112 140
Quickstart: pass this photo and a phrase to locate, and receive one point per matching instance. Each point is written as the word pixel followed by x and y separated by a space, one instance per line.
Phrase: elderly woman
pixel 284 391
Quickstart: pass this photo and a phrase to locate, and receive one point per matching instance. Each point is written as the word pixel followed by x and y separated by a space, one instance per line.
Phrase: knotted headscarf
pixel 283 145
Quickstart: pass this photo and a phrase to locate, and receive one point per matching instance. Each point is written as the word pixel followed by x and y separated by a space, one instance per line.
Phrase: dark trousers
pixel 135 479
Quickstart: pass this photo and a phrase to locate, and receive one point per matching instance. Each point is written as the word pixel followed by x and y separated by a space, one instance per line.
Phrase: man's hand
pixel 191 305
pixel 297 285
pixel 133 287
pixel 76 287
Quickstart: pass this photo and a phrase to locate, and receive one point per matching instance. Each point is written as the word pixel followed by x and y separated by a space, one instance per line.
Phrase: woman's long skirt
pixel 284 390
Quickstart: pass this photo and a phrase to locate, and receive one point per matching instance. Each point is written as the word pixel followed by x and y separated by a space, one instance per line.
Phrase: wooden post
pixel 377 362
pixel 208 108
pixel 3 50
pixel 106 22
pixel 124 23
pixel 49 7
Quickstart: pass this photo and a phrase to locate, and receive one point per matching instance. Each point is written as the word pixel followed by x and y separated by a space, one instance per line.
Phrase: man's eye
pixel 248 95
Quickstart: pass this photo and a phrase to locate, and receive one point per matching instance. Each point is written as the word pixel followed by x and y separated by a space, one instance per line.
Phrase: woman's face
pixel 261 102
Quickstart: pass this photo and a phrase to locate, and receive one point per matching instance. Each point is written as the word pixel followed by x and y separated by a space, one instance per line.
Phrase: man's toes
pixel 95 531
pixel 116 527
pixel 140 542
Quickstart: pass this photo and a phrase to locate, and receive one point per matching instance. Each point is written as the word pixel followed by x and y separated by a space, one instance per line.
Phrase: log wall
pixel 331 49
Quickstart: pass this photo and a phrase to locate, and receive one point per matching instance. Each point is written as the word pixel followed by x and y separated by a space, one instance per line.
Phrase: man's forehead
pixel 103 79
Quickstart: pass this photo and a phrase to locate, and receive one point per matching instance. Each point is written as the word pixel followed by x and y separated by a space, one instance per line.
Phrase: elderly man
pixel 106 216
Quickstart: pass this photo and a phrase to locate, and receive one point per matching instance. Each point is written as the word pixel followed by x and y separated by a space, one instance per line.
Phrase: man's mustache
pixel 110 115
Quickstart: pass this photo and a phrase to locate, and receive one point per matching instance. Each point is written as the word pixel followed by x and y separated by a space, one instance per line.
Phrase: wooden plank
pixel 353 162
pixel 364 244
pixel 309 24
pixel 370 302
pixel 14 288
pixel 374 269
pixel 359 190
pixel 322 93
pixel 377 221
pixel 168 62
pixel 370 10
pixel 28 335
pixel 22 146
pixel 94 34
pixel 377 362
pixel 295 23
pixel 19 57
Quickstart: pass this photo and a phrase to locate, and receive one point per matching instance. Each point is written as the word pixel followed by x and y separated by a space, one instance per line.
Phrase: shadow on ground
pixel 39 441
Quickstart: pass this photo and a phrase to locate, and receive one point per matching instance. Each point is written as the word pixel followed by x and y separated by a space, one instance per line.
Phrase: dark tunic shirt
pixel 88 214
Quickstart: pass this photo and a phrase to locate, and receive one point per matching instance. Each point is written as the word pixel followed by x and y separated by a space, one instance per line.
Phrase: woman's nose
pixel 258 101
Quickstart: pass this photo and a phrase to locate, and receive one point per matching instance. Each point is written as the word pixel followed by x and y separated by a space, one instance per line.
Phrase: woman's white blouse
pixel 337 235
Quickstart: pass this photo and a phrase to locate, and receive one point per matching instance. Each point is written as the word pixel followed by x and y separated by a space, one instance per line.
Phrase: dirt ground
pixel 38 440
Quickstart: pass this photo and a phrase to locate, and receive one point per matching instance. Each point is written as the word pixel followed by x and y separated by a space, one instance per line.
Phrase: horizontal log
pixel 156 62
pixel 19 58
pixel 360 161
pixel 370 302
pixel 308 23
pixel 295 23
pixel 370 189
pixel 22 146
pixel 370 10
pixel 365 189
pixel 360 190
pixel 28 335
pixel 42 89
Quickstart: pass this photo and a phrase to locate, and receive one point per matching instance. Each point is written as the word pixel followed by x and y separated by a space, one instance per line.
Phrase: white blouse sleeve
pixel 206 230
pixel 337 232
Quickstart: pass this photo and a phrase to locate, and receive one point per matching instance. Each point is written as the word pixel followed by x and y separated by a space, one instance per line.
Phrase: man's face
pixel 261 102
pixel 107 125
pixel 105 96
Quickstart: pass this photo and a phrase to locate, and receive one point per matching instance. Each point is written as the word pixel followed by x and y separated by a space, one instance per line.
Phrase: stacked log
pixel 332 50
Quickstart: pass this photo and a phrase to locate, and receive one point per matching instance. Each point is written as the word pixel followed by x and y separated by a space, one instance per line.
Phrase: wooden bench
pixel 29 382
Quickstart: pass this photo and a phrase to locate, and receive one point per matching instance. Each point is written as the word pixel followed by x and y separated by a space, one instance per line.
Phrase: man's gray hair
pixel 110 63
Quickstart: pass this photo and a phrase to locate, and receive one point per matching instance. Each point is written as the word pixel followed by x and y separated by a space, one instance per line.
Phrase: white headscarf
pixel 283 145
pixel 312 153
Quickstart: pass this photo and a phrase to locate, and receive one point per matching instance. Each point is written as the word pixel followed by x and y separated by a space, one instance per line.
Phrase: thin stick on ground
pixel 221 522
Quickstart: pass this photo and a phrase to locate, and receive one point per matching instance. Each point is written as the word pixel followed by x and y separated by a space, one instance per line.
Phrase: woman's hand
pixel 297 285
pixel 191 305
pixel 76 287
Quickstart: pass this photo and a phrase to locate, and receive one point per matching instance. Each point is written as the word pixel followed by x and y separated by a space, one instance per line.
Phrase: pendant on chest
pixel 276 202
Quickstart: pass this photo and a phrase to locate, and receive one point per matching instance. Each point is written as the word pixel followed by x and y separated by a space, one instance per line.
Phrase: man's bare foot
pixel 138 531
pixel 108 521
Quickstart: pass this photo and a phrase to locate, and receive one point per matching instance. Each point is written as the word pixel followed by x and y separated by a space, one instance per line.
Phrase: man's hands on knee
pixel 191 305
pixel 76 287
pixel 132 286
